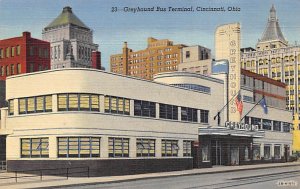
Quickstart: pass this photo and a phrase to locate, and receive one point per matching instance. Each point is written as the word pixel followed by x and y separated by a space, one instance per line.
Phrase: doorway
pixel 234 155
pixel 216 152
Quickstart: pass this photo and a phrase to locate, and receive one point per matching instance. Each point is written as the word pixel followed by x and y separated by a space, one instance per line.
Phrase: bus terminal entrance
pixel 229 150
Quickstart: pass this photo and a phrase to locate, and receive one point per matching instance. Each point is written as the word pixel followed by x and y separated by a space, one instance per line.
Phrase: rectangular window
pixel 187 54
pixel 95 103
pixel 116 105
pixel 12 69
pixel 18 49
pixel 39 104
pixel 84 102
pixel 34 147
pixel 40 52
pixel 267 124
pixel 204 116
pixel 62 102
pixel 78 102
pixel 144 108
pixel 12 51
pixel 31 67
pixel 18 68
pixel 22 106
pixel 276 125
pixel 277 152
pixel 145 147
pixel 31 51
pixel 168 111
pixel 7 52
pixel 267 152
pixel 118 147
pixel 113 105
pixel 48 103
pixel 169 148
pixel 187 148
pixel 286 127
pixel 1 53
pixel 189 114
pixel 7 71
pixel 78 147
pixel 73 102
pixel 11 107
pixel 46 53
pixel 2 70
pixel 256 152
pixel 35 104
pixel 30 105
pixel 256 121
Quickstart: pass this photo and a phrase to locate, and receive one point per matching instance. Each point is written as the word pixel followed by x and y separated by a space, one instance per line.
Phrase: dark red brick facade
pixel 23 55
pixel 96 60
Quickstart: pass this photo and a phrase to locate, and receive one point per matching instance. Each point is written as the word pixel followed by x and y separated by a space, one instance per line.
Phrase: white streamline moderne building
pixel 122 125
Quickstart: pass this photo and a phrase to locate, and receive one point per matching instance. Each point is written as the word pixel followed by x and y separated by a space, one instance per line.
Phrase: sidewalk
pixel 52 181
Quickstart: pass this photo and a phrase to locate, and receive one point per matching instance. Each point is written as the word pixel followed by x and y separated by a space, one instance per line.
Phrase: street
pixel 269 178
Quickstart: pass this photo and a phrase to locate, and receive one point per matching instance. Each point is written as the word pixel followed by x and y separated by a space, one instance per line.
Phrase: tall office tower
pixel 274 58
pixel 71 42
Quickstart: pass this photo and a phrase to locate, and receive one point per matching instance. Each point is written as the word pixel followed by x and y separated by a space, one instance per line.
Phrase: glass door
pixel 216 155
pixel 234 155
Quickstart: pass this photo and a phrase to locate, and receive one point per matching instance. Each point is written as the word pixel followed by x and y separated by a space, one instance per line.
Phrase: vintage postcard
pixel 146 94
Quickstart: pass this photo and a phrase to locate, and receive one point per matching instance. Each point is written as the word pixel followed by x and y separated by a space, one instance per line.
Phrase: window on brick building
pixel 31 51
pixel 2 71
pixel 1 53
pixel 40 53
pixel 18 68
pixel 46 53
pixel 7 52
pixel 18 49
pixel 12 51
pixel 7 71
pixel 31 67
pixel 12 68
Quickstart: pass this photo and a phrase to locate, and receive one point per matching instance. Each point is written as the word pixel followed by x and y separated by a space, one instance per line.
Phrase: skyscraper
pixel 275 58
pixel 71 41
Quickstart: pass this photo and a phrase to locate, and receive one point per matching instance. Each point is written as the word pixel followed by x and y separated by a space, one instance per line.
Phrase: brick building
pixel 159 56
pixel 22 55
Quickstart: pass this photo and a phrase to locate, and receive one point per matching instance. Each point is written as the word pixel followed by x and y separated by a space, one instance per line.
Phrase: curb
pixel 164 176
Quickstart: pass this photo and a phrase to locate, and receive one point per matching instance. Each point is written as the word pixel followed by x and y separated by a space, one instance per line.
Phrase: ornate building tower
pixel 272 36
pixel 276 59
pixel 71 41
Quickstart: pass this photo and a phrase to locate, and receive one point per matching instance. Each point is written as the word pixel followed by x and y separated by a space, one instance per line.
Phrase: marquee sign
pixel 240 126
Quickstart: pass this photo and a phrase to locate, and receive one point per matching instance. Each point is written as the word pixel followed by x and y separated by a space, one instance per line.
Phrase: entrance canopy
pixel 230 132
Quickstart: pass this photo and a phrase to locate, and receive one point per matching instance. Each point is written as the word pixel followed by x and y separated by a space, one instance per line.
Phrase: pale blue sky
pixel 112 29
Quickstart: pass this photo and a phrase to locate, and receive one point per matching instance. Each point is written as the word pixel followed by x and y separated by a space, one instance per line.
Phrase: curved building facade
pixel 91 118
pixel 118 125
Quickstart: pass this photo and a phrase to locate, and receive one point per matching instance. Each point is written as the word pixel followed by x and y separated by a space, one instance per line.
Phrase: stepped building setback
pixel 274 58
pixel 71 42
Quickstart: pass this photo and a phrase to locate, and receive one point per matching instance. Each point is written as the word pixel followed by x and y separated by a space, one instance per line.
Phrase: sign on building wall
pixel 227 45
